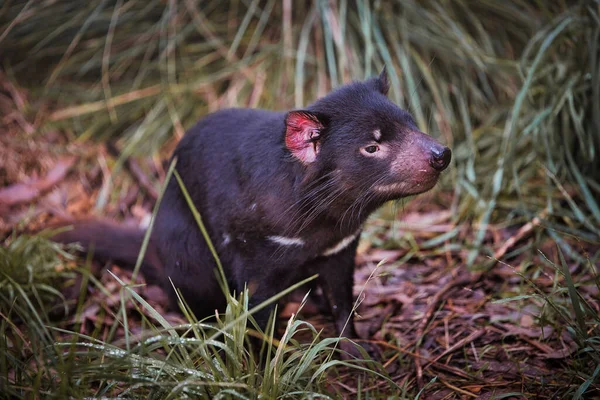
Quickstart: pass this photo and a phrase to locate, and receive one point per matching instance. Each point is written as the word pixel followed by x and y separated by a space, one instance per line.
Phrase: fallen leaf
pixel 25 192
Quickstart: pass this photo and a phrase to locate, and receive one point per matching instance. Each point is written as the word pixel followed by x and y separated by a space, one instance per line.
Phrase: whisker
pixel 365 197
pixel 305 197
pixel 315 197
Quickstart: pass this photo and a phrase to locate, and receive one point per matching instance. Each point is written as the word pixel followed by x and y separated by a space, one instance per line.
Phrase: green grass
pixel 197 359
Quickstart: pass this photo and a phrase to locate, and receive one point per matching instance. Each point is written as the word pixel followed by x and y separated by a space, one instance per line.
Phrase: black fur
pixel 305 175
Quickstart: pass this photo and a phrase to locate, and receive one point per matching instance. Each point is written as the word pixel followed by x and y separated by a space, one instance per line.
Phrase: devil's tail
pixel 119 244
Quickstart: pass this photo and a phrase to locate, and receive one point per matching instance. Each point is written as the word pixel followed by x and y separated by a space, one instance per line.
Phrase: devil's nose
pixel 440 158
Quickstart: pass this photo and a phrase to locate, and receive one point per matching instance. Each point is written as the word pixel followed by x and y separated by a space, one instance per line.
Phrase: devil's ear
pixel 382 82
pixel 303 134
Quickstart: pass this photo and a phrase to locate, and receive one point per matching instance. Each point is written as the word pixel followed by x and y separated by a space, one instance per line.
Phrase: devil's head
pixel 367 146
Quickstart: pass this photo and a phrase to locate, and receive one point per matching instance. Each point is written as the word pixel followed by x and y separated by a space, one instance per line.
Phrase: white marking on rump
pixel 345 242
pixel 286 241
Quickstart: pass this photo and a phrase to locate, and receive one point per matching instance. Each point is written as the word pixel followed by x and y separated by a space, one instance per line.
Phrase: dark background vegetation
pixel 489 286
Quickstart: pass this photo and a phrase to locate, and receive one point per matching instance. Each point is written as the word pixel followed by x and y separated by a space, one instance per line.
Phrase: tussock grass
pixel 197 359
pixel 32 266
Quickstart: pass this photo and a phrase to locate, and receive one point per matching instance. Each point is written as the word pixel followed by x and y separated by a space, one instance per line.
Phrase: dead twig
pixel 469 339
pixel 457 389
pixel 524 231
pixel 437 364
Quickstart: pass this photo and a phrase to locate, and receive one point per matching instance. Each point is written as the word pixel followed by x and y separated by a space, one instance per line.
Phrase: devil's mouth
pixel 407 188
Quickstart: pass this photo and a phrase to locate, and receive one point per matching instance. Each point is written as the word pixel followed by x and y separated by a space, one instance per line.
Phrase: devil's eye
pixel 371 149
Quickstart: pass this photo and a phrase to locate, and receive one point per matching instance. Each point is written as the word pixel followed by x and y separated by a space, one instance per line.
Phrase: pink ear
pixel 302 133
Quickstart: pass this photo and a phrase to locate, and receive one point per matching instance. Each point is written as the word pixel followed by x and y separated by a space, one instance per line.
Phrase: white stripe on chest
pixel 341 245
pixel 345 242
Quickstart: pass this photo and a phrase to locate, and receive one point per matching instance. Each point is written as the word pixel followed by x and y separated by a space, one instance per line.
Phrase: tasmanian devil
pixel 283 196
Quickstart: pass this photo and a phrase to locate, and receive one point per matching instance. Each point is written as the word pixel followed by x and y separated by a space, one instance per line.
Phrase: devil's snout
pixel 440 157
